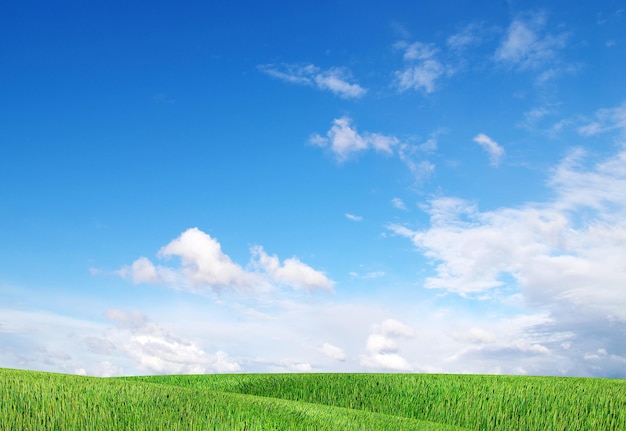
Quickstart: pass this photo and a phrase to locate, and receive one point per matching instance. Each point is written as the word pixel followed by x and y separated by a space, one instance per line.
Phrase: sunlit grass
pixel 478 402
pixel 46 401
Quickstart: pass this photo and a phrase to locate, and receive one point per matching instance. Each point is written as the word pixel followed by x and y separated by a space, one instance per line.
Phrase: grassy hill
pixel 46 401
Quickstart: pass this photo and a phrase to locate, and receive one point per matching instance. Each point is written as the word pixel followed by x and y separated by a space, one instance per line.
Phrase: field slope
pixel 46 401
pixel 476 402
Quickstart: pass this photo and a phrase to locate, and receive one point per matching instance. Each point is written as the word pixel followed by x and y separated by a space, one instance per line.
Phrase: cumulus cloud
pixel 344 141
pixel 380 343
pixel 423 68
pixel 336 79
pixel 382 347
pixel 291 272
pixel 493 149
pixel 527 46
pixel 142 271
pixel 203 265
pixel 333 352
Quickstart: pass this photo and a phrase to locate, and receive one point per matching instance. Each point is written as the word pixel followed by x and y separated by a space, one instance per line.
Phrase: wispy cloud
pixel 420 168
pixel 368 275
pixel 423 68
pixel 493 149
pixel 399 204
pixel 606 120
pixel 534 116
pixel 470 35
pixel 205 266
pixel 353 217
pixel 336 79
pixel 527 46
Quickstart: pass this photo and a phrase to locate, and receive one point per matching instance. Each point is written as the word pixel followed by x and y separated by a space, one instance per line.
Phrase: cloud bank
pixel 565 255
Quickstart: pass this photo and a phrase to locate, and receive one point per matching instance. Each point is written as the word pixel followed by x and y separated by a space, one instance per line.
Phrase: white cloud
pixel 51 342
pixel 345 141
pixel 534 116
pixel 565 255
pixel 398 203
pixel 470 35
pixel 204 266
pixel 601 189
pixel 492 148
pixel 333 352
pixel 302 367
pixel 475 335
pixel 369 275
pixel 143 271
pixel 419 168
pixel 387 361
pixel 292 272
pixel 606 120
pixel 430 145
pixel 420 77
pixel 379 343
pixel 335 80
pixel 155 350
pixel 382 348
pixel 447 338
pixel 417 50
pixel 395 328
pixel 527 46
pixel 423 69
pixel 353 217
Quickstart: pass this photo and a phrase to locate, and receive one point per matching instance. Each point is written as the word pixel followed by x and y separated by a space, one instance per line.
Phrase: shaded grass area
pixel 46 401
pixel 476 402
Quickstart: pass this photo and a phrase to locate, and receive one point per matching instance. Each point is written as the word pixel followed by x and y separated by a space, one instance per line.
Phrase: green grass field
pixel 46 401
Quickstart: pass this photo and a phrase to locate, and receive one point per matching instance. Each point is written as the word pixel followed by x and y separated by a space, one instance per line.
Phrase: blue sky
pixel 313 186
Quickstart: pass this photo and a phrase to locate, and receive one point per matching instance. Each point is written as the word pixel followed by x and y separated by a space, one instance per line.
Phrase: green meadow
pixel 47 401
